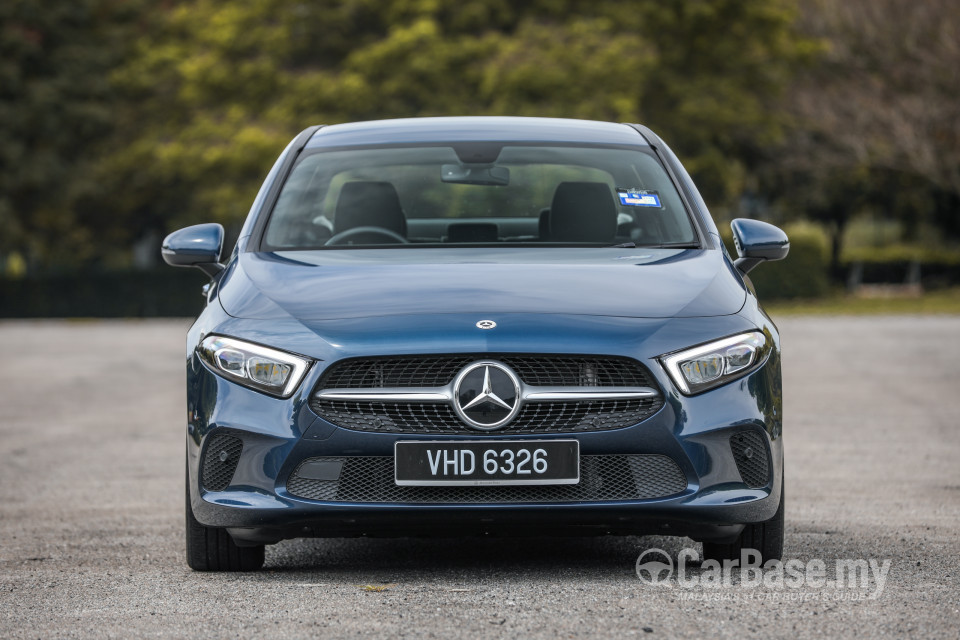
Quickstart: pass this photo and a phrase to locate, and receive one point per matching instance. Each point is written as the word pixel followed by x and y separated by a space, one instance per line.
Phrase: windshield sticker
pixel 639 198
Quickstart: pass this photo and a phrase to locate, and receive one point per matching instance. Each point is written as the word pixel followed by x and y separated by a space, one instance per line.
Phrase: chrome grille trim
pixel 574 394
pixel 444 394
pixel 527 393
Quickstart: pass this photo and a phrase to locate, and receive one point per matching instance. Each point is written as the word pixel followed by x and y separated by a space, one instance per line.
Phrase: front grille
pixel 220 461
pixel 750 453
pixel 586 372
pixel 540 417
pixel 602 479
pixel 437 371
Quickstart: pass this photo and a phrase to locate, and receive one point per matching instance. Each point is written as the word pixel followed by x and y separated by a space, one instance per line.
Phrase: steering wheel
pixel 343 236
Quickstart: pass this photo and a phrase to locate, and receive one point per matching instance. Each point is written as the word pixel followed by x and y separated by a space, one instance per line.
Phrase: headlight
pixel 715 363
pixel 275 372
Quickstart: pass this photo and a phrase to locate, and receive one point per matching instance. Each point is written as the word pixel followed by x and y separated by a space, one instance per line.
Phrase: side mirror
pixel 197 246
pixel 757 242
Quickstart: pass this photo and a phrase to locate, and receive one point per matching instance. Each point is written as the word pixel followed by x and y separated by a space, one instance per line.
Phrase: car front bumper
pixel 277 435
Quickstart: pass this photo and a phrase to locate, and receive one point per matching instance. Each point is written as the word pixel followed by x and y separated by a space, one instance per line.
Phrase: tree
pixel 211 91
pixel 877 121
pixel 55 102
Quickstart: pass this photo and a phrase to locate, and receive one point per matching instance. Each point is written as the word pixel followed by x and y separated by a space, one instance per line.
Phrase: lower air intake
pixel 602 479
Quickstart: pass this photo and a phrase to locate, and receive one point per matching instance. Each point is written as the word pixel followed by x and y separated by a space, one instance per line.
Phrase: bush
pixel 804 272
pixel 938 268
pixel 902 253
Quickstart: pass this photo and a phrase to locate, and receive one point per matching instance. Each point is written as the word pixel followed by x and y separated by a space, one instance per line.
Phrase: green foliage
pixel 140 118
pixel 902 253
pixel 946 301
pixel 121 120
pixel 803 274
pixel 715 90
pixel 875 127
pixel 55 103
pixel 936 268
pixel 224 86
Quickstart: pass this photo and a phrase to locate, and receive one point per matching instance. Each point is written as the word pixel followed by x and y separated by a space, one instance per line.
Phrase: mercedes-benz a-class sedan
pixel 480 326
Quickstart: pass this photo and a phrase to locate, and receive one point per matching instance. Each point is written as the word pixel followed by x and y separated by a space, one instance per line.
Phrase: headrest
pixel 543 224
pixel 583 212
pixel 369 204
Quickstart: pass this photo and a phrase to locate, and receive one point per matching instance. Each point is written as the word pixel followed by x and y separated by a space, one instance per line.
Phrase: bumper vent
pixel 602 479
pixel 752 457
pixel 220 462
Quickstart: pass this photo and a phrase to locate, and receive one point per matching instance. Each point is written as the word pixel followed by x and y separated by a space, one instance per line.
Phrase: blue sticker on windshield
pixel 639 198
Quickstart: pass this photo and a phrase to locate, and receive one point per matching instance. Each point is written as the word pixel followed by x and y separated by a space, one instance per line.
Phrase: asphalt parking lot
pixel 91 510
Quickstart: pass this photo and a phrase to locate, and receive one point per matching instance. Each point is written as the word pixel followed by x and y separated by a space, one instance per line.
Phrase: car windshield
pixel 478 194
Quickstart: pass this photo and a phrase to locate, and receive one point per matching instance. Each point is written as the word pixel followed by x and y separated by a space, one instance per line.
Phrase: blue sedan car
pixel 480 326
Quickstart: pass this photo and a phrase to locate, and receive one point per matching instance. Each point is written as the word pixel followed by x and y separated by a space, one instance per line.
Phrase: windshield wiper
pixel 673 245
pixel 665 245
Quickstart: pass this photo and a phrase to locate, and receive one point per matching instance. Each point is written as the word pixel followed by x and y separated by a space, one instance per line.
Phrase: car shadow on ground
pixel 564 559
pixel 392 560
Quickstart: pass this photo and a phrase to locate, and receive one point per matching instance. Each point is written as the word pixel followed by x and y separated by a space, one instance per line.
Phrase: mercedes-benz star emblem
pixel 486 395
pixel 486 324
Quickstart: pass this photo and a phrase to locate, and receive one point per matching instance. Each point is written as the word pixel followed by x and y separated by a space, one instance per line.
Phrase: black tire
pixel 766 538
pixel 212 549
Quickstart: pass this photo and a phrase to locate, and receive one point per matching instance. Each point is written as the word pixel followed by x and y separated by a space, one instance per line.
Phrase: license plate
pixel 487 462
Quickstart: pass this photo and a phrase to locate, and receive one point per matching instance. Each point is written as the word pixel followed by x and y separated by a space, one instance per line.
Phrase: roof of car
pixel 475 129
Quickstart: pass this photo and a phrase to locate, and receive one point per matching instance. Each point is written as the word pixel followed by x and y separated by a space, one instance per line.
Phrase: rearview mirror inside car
pixel 475 174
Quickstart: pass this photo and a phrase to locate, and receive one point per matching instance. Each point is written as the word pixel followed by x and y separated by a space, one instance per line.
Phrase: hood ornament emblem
pixel 486 324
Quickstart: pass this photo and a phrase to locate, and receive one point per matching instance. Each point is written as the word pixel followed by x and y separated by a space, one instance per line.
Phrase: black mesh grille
pixel 578 371
pixel 752 458
pixel 602 478
pixel 535 417
pixel 220 461
pixel 437 371
pixel 372 373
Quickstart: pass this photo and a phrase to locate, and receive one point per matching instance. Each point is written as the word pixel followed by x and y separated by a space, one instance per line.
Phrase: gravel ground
pixel 91 541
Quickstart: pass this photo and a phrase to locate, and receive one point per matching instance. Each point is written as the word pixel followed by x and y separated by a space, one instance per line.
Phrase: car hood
pixel 343 284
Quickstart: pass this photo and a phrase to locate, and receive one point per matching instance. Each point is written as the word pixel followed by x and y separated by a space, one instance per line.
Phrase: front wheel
pixel 766 538
pixel 212 549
